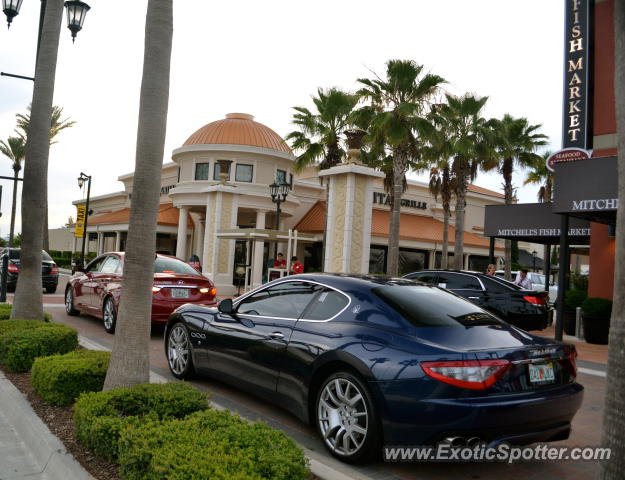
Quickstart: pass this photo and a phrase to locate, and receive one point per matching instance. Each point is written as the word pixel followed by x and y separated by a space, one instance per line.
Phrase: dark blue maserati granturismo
pixel 381 361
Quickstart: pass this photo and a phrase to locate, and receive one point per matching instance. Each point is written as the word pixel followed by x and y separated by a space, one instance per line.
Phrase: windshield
pixel 433 307
pixel 14 254
pixel 172 265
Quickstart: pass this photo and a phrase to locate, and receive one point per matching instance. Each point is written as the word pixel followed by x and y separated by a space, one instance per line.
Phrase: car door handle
pixel 473 298
pixel 276 336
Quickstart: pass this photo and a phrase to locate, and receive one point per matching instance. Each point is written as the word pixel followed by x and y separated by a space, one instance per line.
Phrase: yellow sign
pixel 80 221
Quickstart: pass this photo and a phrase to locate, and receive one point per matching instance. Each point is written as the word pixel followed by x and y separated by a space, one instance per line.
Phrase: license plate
pixel 180 292
pixel 541 372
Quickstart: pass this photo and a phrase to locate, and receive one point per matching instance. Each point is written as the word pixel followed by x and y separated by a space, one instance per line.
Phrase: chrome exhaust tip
pixel 455 441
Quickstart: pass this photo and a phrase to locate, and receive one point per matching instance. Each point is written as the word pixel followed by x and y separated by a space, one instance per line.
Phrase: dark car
pixel 526 309
pixel 49 269
pixel 96 290
pixel 379 361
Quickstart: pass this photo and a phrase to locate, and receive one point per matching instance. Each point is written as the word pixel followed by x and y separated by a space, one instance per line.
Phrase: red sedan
pixel 96 290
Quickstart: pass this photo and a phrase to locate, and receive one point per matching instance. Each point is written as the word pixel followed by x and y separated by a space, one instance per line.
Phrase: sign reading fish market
pixel 575 116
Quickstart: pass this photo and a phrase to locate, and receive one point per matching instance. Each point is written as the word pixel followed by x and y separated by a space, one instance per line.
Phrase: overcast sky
pixel 263 58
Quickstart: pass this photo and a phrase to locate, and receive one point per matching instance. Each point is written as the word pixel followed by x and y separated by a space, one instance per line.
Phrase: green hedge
pixel 60 379
pixel 21 341
pixel 209 444
pixel 100 417
pixel 5 311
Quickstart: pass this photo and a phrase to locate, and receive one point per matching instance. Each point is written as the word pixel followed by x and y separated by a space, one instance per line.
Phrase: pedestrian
pixel 296 266
pixel 280 261
pixel 524 281
pixel 490 270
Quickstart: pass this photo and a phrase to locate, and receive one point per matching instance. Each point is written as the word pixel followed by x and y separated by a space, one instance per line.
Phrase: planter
pixel 596 329
pixel 568 319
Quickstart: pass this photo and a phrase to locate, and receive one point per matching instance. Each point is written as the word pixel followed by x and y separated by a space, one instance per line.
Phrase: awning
pixel 587 189
pixel 532 222
pixel 167 215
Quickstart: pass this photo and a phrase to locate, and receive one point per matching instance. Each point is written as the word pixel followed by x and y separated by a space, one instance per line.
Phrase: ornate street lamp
pixel 81 181
pixel 279 192
pixel 11 9
pixel 76 12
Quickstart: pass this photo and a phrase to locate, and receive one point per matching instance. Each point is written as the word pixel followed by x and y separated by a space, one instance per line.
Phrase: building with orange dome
pixel 215 196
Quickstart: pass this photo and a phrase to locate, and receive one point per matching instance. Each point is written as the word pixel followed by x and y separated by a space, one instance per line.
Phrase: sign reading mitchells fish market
pixel 576 121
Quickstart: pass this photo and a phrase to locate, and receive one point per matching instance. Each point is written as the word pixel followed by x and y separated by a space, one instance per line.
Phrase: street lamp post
pixel 4 274
pixel 534 253
pixel 81 181
pixel 279 192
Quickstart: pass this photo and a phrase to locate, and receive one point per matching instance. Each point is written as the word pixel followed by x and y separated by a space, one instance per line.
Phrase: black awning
pixel 587 189
pixel 532 222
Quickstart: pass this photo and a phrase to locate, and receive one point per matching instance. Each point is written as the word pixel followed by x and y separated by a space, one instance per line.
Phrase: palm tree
pixel 130 363
pixel 318 138
pixel 15 150
pixel 57 125
pixel 397 122
pixel 28 301
pixel 539 174
pixel 613 419
pixel 461 120
pixel 441 185
pixel 515 142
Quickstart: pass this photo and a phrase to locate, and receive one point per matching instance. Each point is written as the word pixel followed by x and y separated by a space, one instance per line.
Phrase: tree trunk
pixel 46 237
pixel 28 302
pixel 130 363
pixel 444 253
pixel 459 239
pixel 506 170
pixel 399 169
pixel 613 418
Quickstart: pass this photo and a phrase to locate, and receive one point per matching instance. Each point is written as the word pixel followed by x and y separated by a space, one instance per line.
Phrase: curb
pixel 47 450
pixel 317 465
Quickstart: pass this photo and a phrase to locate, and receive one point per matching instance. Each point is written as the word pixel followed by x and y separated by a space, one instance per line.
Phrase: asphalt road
pixel 586 425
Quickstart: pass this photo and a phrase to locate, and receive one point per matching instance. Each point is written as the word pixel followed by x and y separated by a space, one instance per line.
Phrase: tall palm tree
pixel 613 419
pixel 397 119
pixel 539 174
pixel 318 138
pixel 441 185
pixel 130 363
pixel 461 120
pixel 515 142
pixel 15 150
pixel 28 301
pixel 57 125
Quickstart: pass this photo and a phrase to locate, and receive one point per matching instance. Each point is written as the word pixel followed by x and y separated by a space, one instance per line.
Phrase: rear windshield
pixel 172 265
pixel 14 254
pixel 433 307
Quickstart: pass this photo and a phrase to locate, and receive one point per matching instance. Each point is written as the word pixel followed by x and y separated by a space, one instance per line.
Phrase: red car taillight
pixel 570 364
pixel 54 271
pixel 536 299
pixel 13 268
pixel 211 291
pixel 471 374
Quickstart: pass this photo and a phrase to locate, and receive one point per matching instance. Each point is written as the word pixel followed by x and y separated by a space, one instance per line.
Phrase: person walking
pixel 524 281
pixel 296 266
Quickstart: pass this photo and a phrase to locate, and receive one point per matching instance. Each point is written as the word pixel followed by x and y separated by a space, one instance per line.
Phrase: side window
pixel 450 281
pixel 468 282
pixel 95 265
pixel 427 277
pixel 326 305
pixel 110 265
pixel 494 286
pixel 285 300
pixel 201 171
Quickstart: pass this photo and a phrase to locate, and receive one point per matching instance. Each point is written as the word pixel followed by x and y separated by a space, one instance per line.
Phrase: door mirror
pixel 225 306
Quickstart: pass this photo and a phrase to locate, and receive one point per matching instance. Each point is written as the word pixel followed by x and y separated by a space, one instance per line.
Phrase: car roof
pixel 344 281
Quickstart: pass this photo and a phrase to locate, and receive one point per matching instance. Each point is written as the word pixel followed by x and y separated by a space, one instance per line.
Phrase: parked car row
pixel 49 269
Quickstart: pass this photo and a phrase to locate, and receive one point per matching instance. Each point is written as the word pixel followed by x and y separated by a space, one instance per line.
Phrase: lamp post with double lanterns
pixel 279 192
pixel 81 181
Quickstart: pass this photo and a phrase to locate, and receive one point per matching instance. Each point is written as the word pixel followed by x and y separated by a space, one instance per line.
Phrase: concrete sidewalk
pixel 27 447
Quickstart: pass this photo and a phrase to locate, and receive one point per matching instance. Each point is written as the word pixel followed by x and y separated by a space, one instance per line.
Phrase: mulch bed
pixel 61 424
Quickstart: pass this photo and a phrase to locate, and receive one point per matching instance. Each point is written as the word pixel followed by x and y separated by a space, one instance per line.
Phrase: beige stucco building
pixel 230 219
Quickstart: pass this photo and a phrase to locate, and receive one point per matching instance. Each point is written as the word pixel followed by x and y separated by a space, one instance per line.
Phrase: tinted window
pixel 427 277
pixel 505 283
pixel 327 304
pixel 201 171
pixel 14 254
pixel 110 265
pixel 458 281
pixel 432 307
pixel 286 300
pixel 172 265
pixel 495 286
pixel 243 173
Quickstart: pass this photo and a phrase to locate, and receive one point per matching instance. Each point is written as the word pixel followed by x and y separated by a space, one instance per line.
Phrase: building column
pixel 432 262
pixel 118 241
pixel 199 238
pixel 181 243
pixel 466 261
pixel 259 248
pixel 74 245
pixel 348 237
pixel 100 247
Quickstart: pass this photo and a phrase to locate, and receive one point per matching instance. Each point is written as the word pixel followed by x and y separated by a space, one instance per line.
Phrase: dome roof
pixel 238 129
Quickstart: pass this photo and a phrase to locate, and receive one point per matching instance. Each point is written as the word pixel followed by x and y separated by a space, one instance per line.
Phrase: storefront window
pixel 377 259
pixel 201 171
pixel 244 173
pixel 412 260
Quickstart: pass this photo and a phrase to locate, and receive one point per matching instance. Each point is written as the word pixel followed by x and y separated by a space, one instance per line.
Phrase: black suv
pixel 49 270
pixel 526 309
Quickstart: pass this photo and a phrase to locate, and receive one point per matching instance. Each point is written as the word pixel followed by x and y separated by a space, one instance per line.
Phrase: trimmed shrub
pixel 597 307
pixel 60 379
pixel 21 341
pixel 100 417
pixel 5 311
pixel 574 298
pixel 210 444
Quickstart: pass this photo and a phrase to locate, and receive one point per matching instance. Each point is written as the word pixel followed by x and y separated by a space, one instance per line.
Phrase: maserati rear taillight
pixel 470 374
pixel 570 364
